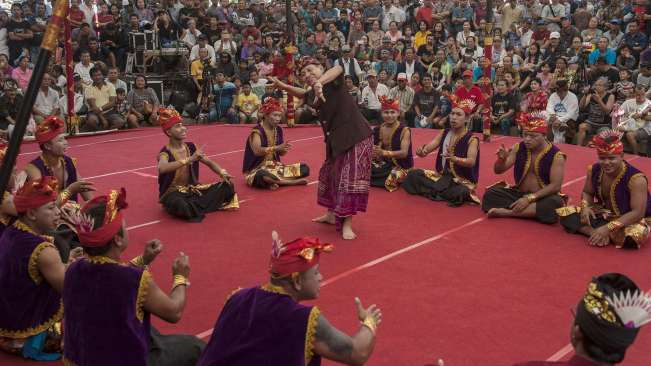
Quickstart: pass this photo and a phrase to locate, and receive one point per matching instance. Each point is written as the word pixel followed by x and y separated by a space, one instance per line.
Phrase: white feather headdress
pixel 634 309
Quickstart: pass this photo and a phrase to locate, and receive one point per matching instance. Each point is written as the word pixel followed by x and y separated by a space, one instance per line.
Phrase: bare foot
pixel 301 182
pixel 328 218
pixel 498 212
pixel 347 230
pixel 273 187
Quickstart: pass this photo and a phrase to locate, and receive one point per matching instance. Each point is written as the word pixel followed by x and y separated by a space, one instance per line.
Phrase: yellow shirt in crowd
pixel 248 103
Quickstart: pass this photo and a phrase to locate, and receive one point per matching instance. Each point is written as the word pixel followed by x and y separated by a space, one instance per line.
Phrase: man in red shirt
pixel 424 13
pixel 470 91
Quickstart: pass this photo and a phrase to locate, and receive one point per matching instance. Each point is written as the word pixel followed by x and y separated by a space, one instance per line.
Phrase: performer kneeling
pixel 108 302
pixel 457 162
pixel 615 203
pixel 538 168
pixel 178 175
pixel 264 147
pixel 392 156
pixel 31 275
pixel 267 325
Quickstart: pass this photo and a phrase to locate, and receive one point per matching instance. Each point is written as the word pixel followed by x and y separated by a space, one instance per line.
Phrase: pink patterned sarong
pixel 344 181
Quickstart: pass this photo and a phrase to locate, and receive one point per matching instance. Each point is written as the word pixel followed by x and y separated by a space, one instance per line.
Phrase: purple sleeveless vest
pixel 405 163
pixel 260 327
pixel 620 194
pixel 165 180
pixel 542 165
pixel 460 150
pixel 71 171
pixel 251 161
pixel 105 323
pixel 29 304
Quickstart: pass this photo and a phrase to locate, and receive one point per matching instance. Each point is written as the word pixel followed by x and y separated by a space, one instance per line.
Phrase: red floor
pixel 451 284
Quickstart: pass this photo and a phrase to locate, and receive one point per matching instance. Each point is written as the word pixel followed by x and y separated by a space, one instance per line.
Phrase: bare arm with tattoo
pixel 335 345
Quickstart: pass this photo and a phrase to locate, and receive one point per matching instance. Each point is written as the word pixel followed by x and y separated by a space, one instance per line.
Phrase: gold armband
pixel 64 196
pixel 531 197
pixel 138 261
pixel 184 161
pixel 180 280
pixel 370 323
pixel 614 226
pixel 585 204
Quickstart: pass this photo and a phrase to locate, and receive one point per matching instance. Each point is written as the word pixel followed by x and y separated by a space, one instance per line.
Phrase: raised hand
pixel 81 186
pixel 503 153
pixel 372 311
pixel 181 265
pixel 152 250
pixel 285 147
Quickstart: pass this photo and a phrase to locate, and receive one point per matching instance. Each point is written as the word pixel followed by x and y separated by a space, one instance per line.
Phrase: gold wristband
pixel 64 196
pixel 184 161
pixel 370 323
pixel 531 197
pixel 585 204
pixel 180 280
pixel 269 150
pixel 614 225
pixel 138 261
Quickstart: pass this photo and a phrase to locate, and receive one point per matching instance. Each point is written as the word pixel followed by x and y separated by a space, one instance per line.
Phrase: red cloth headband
pixel 50 128
pixel 115 202
pixel 388 103
pixel 466 105
pixel 532 122
pixel 297 256
pixel 608 142
pixel 35 194
pixel 168 117
pixel 271 105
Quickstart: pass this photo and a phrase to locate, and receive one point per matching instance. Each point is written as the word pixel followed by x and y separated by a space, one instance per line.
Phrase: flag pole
pixel 48 47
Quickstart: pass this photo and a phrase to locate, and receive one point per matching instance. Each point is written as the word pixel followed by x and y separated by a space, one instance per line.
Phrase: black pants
pixel 379 173
pixel 444 189
pixel 192 206
pixel 500 197
pixel 572 223
pixel 173 349
pixel 259 182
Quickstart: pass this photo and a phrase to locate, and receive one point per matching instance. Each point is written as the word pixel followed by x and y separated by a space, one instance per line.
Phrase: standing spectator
pixel 553 13
pixel 144 103
pixel 370 99
pixel 47 101
pixel 19 33
pixel 22 74
pixel 224 97
pixel 247 105
pixel 100 97
pixel 426 104
pixel 404 94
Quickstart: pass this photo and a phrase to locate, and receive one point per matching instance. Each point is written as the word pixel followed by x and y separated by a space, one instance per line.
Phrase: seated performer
pixel 31 275
pixel 108 302
pixel 457 162
pixel 267 325
pixel 264 147
pixel 53 162
pixel 607 321
pixel 538 168
pixel 392 156
pixel 178 175
pixel 615 202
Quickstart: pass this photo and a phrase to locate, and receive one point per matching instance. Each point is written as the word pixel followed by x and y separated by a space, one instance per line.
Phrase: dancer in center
pixel 345 176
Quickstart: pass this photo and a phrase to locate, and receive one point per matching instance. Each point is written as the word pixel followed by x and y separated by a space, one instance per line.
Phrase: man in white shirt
pixel 393 13
pixel 404 94
pixel 79 106
pixel 202 42
pixel 88 7
pixel 370 100
pixel 526 33
pixel 113 79
pixel 47 101
pixel 83 68
pixel 226 44
pixel 349 64
pixel 562 112
pixel 553 13
pixel 636 120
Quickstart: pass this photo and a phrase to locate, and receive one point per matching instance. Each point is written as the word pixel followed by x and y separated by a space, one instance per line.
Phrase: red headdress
pixel 466 105
pixel 50 128
pixel 168 117
pixel 115 202
pixel 271 105
pixel 532 122
pixel 296 256
pixel 306 61
pixel 388 103
pixel 35 194
pixel 608 142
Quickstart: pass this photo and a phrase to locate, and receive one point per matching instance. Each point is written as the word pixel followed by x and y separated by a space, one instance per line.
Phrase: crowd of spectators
pixel 585 64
